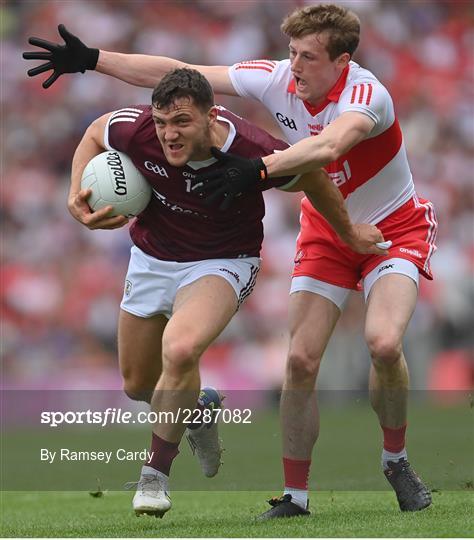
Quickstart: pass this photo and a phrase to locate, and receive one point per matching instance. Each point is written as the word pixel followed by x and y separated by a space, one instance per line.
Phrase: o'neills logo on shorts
pixel 128 287
pixel 233 274
pixel 299 256
pixel 413 252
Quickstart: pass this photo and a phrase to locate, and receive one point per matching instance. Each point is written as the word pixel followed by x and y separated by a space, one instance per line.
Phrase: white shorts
pixel 339 295
pixel 151 284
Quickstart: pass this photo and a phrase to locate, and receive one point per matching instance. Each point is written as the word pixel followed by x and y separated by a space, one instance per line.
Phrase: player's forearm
pixel 305 156
pixel 329 202
pixel 136 69
pixel 311 153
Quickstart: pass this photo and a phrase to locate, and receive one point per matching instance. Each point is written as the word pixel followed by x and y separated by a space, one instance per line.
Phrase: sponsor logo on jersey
pixel 288 122
pixel 315 129
pixel 413 252
pixel 175 207
pixel 116 167
pixel 157 169
pixel 386 267
pixel 342 176
pixel 128 287
pixel 233 274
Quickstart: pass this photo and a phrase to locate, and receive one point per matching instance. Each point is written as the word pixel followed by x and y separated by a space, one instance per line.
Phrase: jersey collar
pixel 333 95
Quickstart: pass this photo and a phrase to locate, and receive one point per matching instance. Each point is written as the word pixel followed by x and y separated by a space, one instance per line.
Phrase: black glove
pixel 237 175
pixel 72 57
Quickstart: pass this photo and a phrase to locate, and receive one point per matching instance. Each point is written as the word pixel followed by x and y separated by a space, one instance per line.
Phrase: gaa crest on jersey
pixel 157 169
pixel 287 122
pixel 128 288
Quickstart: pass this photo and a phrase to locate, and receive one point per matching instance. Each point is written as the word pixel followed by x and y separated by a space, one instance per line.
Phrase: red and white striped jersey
pixel 374 176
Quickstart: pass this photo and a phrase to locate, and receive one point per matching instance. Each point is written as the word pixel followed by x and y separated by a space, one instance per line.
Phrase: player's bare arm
pixel 137 69
pixel 241 174
pixel 145 70
pixel 91 145
pixel 329 202
pixel 311 153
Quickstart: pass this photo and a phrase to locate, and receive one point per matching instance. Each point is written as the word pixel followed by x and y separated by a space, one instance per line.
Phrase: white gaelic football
pixel 114 180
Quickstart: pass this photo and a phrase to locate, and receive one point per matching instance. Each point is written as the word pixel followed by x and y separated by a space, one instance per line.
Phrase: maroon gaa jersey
pixel 177 225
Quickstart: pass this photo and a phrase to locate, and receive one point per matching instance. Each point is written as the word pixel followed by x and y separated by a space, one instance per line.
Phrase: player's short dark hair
pixel 183 82
pixel 342 24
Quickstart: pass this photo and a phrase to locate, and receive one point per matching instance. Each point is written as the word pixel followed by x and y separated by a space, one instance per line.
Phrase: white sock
pixel 392 456
pixel 298 496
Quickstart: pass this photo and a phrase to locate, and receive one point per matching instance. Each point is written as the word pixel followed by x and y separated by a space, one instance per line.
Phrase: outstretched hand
pixel 235 176
pixel 72 57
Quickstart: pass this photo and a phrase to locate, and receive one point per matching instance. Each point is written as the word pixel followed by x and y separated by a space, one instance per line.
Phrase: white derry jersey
pixel 374 176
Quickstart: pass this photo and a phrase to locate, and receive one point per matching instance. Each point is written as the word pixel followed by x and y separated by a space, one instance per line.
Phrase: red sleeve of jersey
pixel 122 126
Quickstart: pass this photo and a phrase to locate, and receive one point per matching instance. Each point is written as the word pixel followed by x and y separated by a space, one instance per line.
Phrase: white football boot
pixel 152 495
pixel 204 440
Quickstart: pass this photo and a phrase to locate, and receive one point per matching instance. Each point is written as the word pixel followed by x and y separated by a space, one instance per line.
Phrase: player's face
pixel 314 72
pixel 183 130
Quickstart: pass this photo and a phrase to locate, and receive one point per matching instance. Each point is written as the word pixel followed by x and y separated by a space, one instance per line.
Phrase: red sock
pixel 394 438
pixel 296 473
pixel 162 454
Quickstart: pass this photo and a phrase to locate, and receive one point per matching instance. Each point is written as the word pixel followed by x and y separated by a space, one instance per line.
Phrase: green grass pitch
pixel 350 496
pixel 218 514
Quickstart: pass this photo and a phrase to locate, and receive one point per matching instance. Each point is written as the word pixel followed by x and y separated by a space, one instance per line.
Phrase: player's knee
pixel 137 390
pixel 302 366
pixel 384 349
pixel 179 356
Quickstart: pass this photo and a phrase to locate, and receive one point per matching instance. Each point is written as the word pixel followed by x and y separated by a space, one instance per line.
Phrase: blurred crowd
pixel 62 284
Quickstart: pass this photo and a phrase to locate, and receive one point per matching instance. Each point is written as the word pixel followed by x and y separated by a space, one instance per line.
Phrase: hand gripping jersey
pixel 177 225
pixel 374 176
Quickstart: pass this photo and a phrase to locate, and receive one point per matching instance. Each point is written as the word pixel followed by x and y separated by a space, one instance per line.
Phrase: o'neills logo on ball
pixel 115 165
